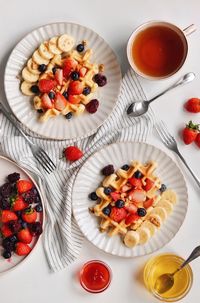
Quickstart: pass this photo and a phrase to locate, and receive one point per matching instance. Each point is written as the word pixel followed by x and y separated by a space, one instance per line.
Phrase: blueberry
pixel 141 212
pixel 13 177
pixel 119 203
pixel 93 196
pixel 125 167
pixel 51 95
pixel 24 224
pixel 108 170
pixel 39 208
pixel 163 188
pixel 18 213
pixel 65 94
pixel 86 90
pixel 54 70
pixel 13 239
pixel 74 76
pixel 40 111
pixel 138 174
pixel 107 210
pixel 6 254
pixel 69 115
pixel 35 89
pixel 80 47
pixel 107 190
pixel 42 68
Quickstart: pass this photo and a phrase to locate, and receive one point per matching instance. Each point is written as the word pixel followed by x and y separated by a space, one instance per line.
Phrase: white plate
pixel 89 178
pixel 60 128
pixel 8 167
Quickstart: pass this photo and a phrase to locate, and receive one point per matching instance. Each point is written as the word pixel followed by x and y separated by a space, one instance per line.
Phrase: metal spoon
pixel 166 281
pixel 141 107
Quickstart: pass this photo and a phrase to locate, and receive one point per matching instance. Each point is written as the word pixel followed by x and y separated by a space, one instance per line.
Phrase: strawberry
pixel 29 215
pixel 25 236
pixel 126 188
pixel 197 140
pixel 190 132
pixel 115 195
pixel 68 66
pixel 131 218
pixel 148 203
pixel 5 230
pixel 193 105
pixel 59 76
pixel 73 153
pixel 74 99
pixel 136 183
pixel 45 85
pixel 82 71
pixel 149 184
pixel 46 101
pixel 131 208
pixel 60 101
pixel 137 195
pixel 118 214
pixel 22 249
pixel 7 216
pixel 23 186
pixel 19 204
pixel 75 88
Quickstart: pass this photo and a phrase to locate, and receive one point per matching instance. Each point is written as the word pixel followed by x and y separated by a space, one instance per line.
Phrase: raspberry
pixel 92 106
pixel 13 177
pixel 100 79
pixel 108 170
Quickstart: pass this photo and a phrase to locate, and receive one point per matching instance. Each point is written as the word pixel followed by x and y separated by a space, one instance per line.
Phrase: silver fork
pixel 170 143
pixel 38 152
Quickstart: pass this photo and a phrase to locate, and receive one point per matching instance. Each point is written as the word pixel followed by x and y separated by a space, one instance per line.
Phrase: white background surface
pixel 114 21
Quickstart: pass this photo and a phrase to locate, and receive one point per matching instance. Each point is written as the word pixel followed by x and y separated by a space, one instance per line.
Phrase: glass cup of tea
pixel 168 263
pixel 157 49
pixel 95 276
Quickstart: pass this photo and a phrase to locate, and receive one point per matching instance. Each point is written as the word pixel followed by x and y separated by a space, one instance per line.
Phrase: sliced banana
pixel 44 52
pixel 155 219
pixel 38 59
pixel 147 224
pixel 166 205
pixel 33 67
pixel 28 76
pixel 144 235
pixel 56 60
pixel 169 195
pixel 131 238
pixel 158 210
pixel 52 46
pixel 37 102
pixel 26 88
pixel 65 43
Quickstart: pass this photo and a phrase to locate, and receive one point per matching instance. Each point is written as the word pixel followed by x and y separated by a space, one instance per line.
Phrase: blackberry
pixel 107 210
pixel 163 188
pixel 35 89
pixel 8 245
pixel 92 106
pixel 13 177
pixel 35 228
pixel 42 68
pixel 125 167
pixel 80 47
pixel 4 203
pixel 31 196
pixel 108 170
pixel 107 190
pixel 86 90
pixel 6 190
pixel 141 212
pixel 13 239
pixel 14 226
pixel 119 203
pixel 24 224
pixel 138 174
pixel 100 79
pixel 93 196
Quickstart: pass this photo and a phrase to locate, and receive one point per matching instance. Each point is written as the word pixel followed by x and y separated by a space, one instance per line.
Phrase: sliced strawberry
pixel 22 249
pixel 73 153
pixel 23 186
pixel 126 188
pixel 60 101
pixel 74 99
pixel 148 203
pixel 137 195
pixel 46 101
pixel 68 66
pixel 75 88
pixel 19 204
pixel 7 216
pixel 136 183
pixel 25 236
pixel 115 195
pixel 45 86
pixel 149 184
pixel 59 76
pixel 131 208
pixel 118 214
pixel 5 230
pixel 131 218
pixel 82 71
pixel 29 215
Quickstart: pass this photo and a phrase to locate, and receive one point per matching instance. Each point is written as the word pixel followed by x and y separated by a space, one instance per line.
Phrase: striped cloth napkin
pixel 62 237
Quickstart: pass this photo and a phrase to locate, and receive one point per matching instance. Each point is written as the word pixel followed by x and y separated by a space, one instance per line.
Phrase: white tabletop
pixel 113 20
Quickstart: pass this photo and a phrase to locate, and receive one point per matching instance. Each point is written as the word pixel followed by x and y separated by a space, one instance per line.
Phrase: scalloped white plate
pixel 89 178
pixel 59 128
pixel 7 167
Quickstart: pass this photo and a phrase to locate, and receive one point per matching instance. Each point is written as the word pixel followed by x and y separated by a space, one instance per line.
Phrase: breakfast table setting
pixel 99 151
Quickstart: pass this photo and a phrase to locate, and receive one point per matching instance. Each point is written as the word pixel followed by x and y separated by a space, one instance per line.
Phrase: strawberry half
pixel 149 184
pixel 118 214
pixel 82 71
pixel 193 105
pixel 45 86
pixel 7 216
pixel 136 183
pixel 73 153
pixel 22 249
pixel 115 195
pixel 23 186
pixel 68 66
pixel 131 218
pixel 75 88
pixel 46 101
pixel 60 101
pixel 148 203
pixel 25 236
pixel 59 76
pixel 190 132
pixel 19 204
pixel 29 215
pixel 74 99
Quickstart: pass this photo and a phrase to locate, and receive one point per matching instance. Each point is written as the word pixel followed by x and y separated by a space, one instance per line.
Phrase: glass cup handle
pixel 189 30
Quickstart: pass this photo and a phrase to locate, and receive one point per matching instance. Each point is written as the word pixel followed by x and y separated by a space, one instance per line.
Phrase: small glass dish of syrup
pixel 95 276
pixel 168 263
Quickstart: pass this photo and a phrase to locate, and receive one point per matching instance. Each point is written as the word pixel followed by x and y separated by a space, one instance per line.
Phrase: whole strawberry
pixel 197 140
pixel 193 105
pixel 190 132
pixel 73 153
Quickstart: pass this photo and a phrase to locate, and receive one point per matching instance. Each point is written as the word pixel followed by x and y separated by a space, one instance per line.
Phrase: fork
pixel 38 152
pixel 171 144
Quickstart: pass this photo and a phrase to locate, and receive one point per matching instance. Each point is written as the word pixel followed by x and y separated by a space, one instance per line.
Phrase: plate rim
pixel 185 186
pixel 118 93
pixel 43 215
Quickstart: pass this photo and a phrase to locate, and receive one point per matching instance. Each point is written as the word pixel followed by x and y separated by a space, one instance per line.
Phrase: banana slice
pixel 44 52
pixel 37 102
pixel 65 43
pixel 166 205
pixel 158 210
pixel 131 238
pixel 147 224
pixel 26 88
pixel 144 235
pixel 33 67
pixel 155 219
pixel 169 195
pixel 38 59
pixel 28 76
pixel 52 46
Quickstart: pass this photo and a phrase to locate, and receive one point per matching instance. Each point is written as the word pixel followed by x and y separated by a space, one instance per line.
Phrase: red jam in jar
pixel 95 276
